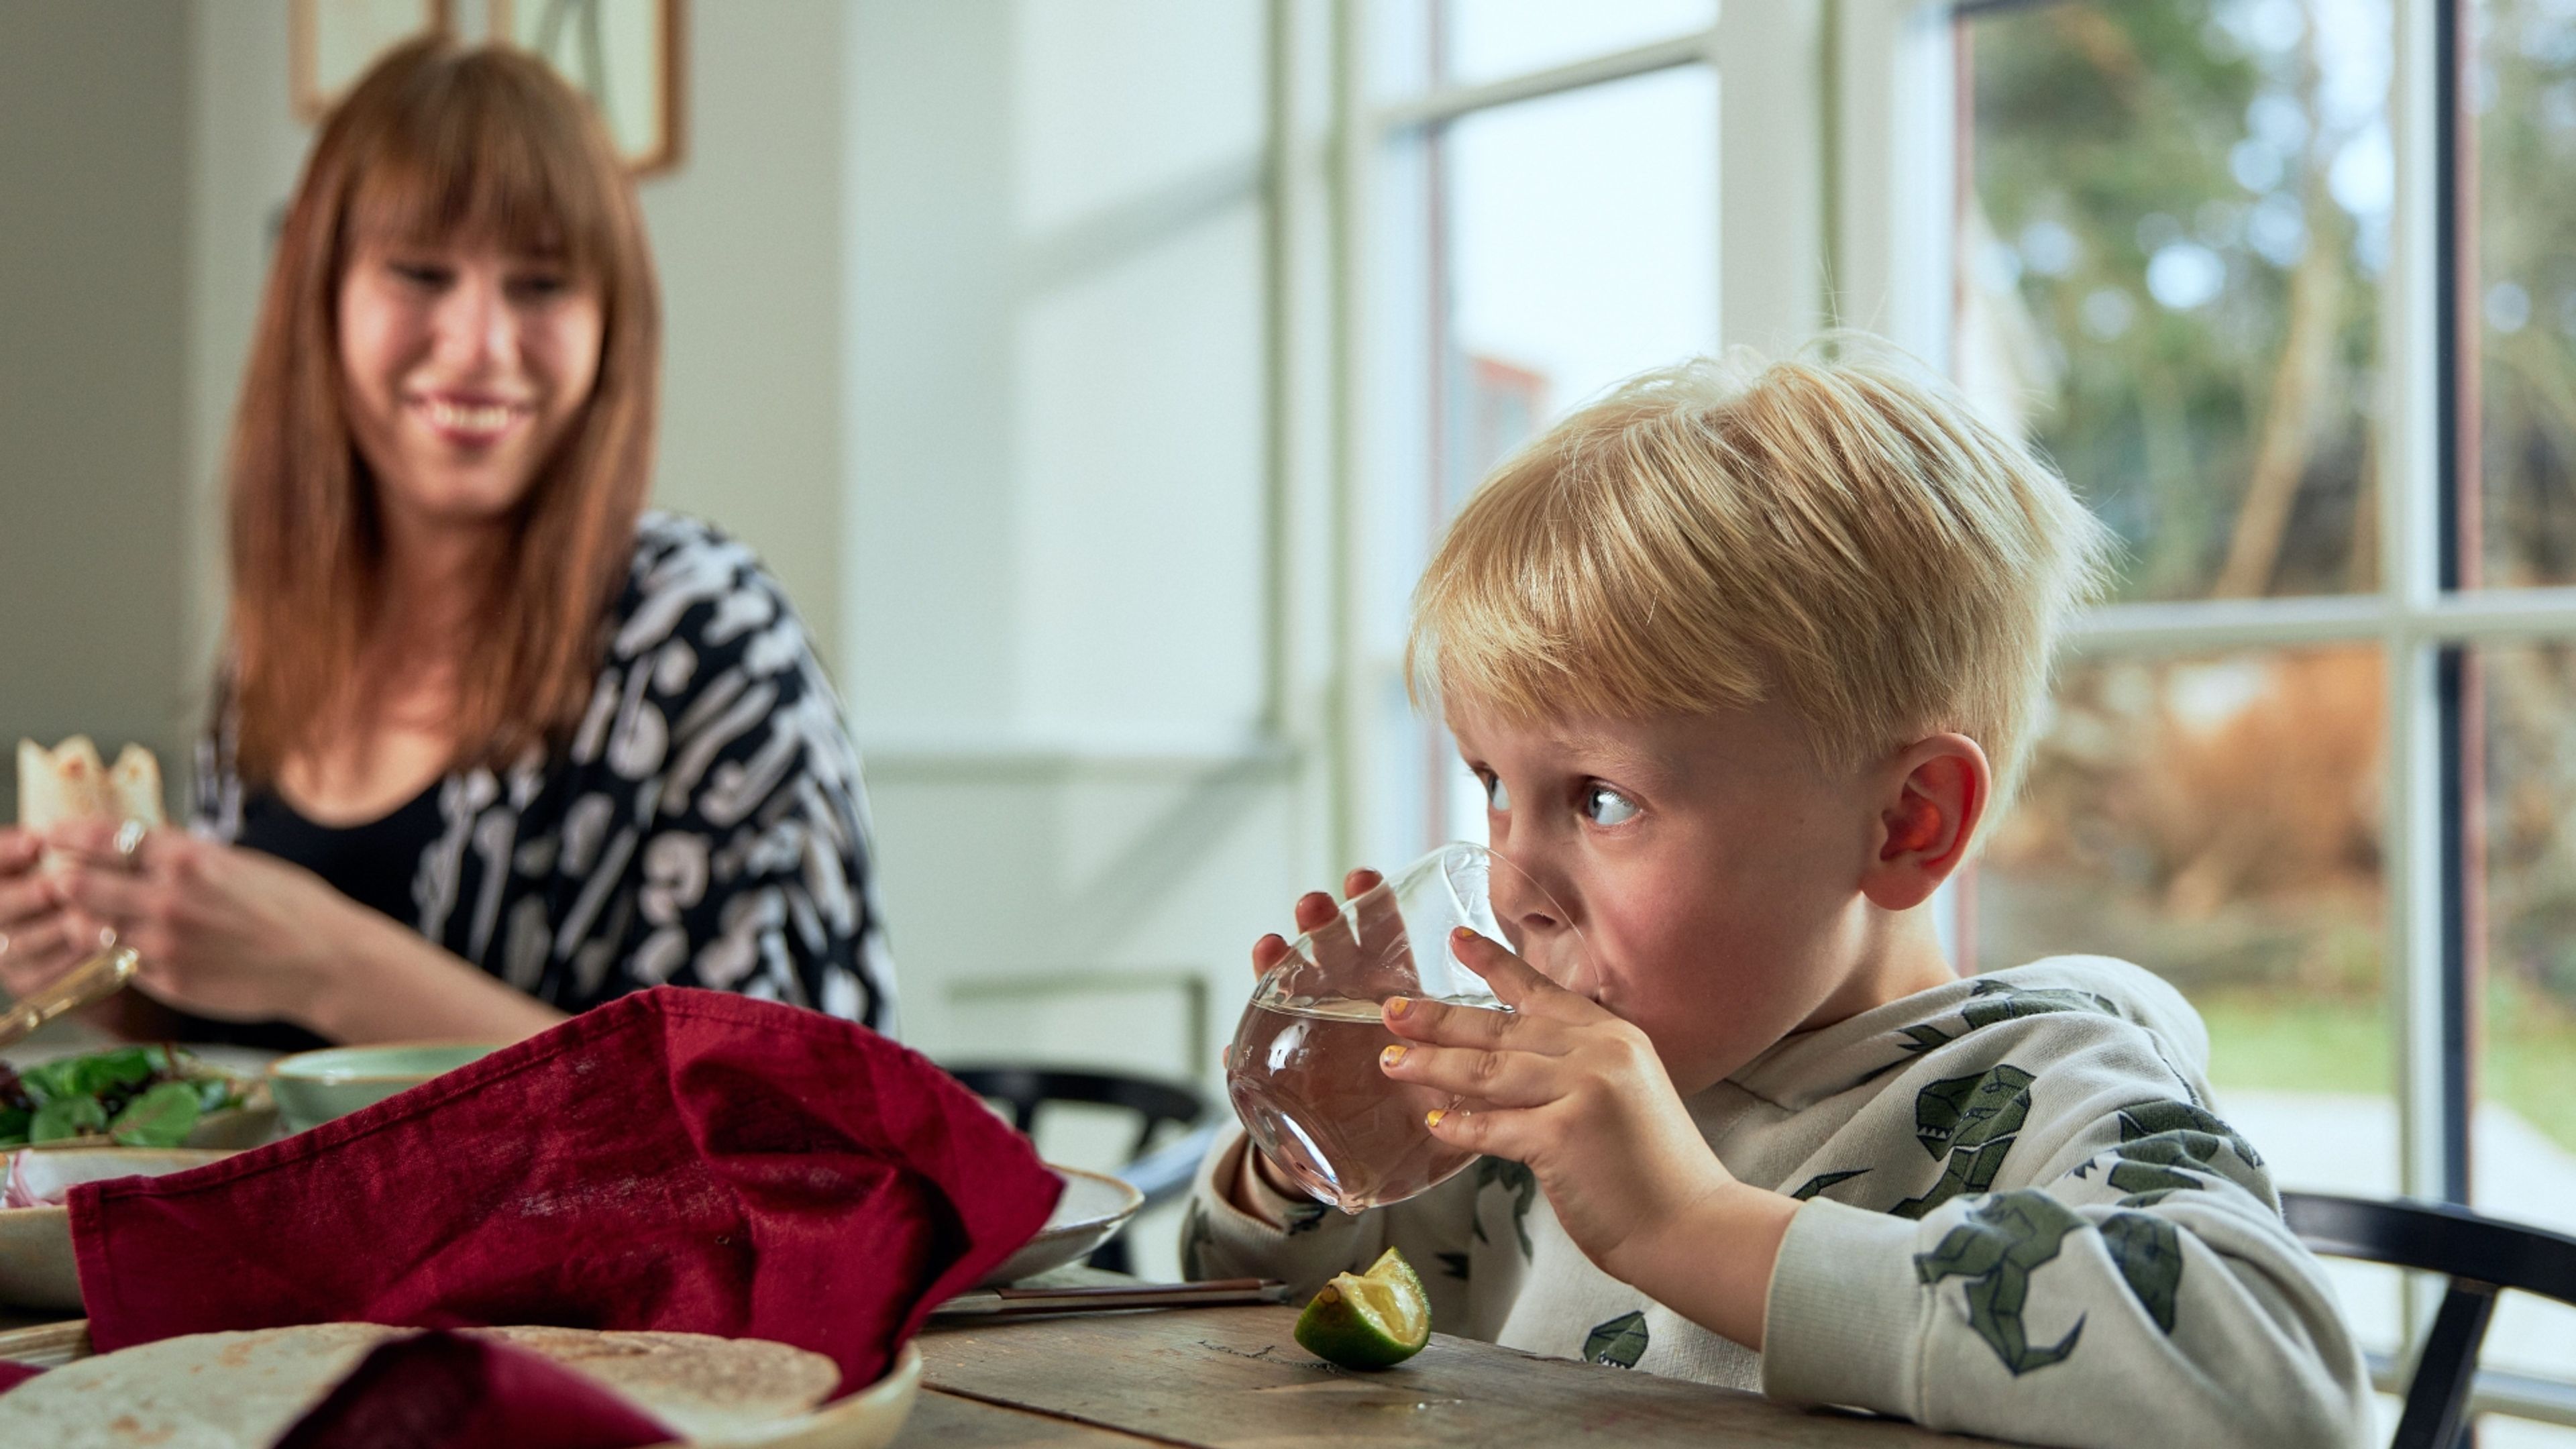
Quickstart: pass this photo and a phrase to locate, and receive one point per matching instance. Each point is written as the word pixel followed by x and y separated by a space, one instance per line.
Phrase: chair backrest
pixel 2480 1255
pixel 1163 1177
pixel 1027 1089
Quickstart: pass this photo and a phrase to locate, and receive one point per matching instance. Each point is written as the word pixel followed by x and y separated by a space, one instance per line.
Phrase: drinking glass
pixel 1303 1069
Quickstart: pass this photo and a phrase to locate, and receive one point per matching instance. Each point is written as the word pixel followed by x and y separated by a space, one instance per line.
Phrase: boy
pixel 1745 657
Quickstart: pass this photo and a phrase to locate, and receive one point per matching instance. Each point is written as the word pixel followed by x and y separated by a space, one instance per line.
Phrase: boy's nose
pixel 1532 913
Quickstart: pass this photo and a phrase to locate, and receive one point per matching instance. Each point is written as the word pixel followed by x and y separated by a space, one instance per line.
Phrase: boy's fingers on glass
pixel 1267 952
pixel 1495 1132
pixel 1490 1078
pixel 1314 908
pixel 1381 922
pixel 1462 1026
pixel 1513 979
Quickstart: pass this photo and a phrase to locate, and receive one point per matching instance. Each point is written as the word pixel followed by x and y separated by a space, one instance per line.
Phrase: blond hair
pixel 1837 532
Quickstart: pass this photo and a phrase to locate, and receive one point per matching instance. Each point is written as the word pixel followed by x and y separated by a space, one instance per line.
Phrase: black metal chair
pixel 2481 1256
pixel 1161 1174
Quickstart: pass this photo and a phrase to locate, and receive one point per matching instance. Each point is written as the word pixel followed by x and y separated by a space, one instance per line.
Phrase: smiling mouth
pixel 470 421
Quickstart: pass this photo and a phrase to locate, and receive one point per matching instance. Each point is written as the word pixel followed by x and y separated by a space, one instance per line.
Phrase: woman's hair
pixel 1842 535
pixel 437 143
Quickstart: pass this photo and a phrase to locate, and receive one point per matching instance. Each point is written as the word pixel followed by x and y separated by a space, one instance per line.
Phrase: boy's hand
pixel 1312 911
pixel 1577 1094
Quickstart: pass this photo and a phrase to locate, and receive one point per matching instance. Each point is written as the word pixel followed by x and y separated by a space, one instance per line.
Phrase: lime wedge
pixel 1370 1320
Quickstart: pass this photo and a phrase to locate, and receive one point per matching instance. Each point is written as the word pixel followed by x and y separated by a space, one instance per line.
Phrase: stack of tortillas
pixel 238 1390
pixel 70 782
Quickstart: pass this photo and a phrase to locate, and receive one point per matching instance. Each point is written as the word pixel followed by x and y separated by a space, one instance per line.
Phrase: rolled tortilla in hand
pixel 70 782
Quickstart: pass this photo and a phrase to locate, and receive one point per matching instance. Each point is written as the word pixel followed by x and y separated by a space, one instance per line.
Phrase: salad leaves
pixel 135 1096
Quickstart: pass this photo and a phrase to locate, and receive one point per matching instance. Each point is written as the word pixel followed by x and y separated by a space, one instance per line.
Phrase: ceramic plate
pixel 36 1269
pixel 1094 1207
pixel 868 1419
pixel 314 1087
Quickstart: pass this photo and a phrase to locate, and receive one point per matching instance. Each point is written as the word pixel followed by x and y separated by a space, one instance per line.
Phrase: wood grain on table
pixel 1231 1378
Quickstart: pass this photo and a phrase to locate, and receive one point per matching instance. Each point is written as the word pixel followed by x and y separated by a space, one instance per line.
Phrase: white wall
pixel 92 233
pixel 1057 591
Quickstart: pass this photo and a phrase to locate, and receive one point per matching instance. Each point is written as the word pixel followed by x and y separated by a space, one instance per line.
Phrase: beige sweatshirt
pixel 2021 1220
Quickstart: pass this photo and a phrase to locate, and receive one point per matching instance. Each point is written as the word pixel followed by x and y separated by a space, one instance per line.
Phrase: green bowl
pixel 313 1087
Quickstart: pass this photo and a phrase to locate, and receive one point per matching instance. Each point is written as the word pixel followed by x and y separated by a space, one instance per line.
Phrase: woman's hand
pixel 1577 1094
pixel 39 938
pixel 223 932
pixel 235 934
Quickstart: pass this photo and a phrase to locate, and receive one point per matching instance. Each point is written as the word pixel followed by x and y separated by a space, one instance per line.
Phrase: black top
pixel 371 864
pixel 705 826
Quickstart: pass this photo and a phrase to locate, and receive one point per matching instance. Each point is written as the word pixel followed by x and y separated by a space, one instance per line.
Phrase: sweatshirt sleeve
pixel 1266 1234
pixel 2133 1283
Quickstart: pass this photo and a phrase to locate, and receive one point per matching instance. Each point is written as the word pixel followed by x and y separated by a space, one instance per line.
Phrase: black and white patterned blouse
pixel 705 827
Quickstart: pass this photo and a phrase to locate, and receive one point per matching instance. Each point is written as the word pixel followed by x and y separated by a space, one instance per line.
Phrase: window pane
pixel 1582 246
pixel 1533 255
pixel 2523 1139
pixel 2522 93
pixel 1467 42
pixel 1489 39
pixel 2170 261
pixel 2217 821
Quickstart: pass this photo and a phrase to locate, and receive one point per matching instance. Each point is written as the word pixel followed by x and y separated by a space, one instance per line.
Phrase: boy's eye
pixel 539 286
pixel 420 274
pixel 1605 806
pixel 1496 797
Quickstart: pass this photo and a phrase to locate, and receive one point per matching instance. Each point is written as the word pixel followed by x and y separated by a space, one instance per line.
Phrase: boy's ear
pixel 1936 796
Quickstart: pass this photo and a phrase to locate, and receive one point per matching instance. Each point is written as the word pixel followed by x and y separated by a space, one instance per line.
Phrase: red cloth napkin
pixel 13 1373
pixel 676 1159
pixel 440 1391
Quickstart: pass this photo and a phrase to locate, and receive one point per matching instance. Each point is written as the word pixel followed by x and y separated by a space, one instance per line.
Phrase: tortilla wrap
pixel 241 1390
pixel 70 782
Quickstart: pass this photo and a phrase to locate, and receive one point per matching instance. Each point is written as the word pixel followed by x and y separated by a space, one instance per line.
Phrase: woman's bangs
pixel 483 165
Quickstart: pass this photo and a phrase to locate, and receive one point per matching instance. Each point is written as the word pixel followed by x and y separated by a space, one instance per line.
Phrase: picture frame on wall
pixel 623 54
pixel 332 42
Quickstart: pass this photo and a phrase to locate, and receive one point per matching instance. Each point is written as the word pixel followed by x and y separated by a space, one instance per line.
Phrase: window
pixel 2281 286
pixel 1544 223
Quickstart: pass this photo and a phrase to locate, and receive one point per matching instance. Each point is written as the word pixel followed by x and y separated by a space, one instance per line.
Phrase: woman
pixel 492 743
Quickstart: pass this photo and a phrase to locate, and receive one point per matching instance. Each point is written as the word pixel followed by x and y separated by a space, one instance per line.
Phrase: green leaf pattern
pixel 1823 1180
pixel 2149 1252
pixel 1196 1238
pixel 1618 1343
pixel 1521 1183
pixel 1974 1119
pixel 1991 1001
pixel 2167 1147
pixel 2003 1240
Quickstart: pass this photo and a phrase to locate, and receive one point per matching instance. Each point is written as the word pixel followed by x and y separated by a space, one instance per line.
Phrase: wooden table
pixel 1233 1377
